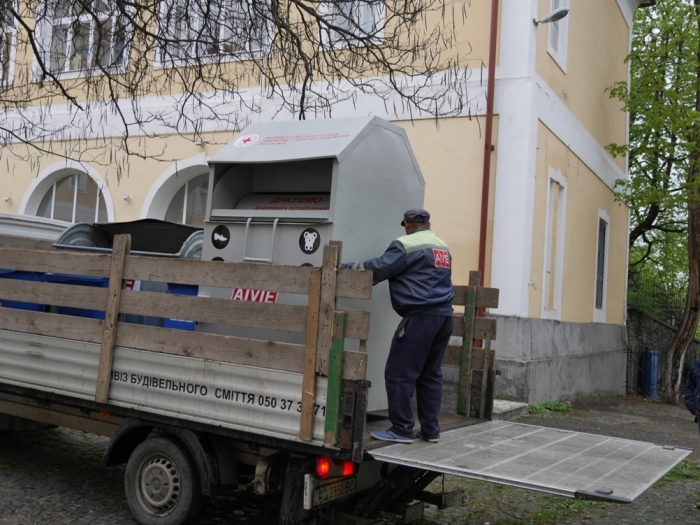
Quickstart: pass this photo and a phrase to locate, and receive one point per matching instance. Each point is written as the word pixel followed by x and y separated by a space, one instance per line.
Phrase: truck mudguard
pixel 215 463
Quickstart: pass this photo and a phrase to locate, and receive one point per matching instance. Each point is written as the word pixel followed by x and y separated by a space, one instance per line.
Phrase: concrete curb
pixel 509 410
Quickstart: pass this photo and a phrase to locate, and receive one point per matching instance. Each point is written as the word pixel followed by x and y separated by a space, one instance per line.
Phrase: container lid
pixel 148 236
pixel 300 140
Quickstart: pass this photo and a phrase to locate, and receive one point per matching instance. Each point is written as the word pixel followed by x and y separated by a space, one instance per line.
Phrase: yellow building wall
pixel 598 43
pixel 586 193
pixel 14 180
pixel 451 159
pixel 465 28
pixel 450 155
pixel 474 32
pixel 135 180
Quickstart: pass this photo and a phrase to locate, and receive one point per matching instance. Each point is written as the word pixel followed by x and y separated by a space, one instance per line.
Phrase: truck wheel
pixel 162 483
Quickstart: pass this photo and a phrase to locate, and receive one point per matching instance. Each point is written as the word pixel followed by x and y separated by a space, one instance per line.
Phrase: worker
pixel 419 269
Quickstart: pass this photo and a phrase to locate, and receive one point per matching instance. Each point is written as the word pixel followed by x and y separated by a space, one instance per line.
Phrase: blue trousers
pixel 414 362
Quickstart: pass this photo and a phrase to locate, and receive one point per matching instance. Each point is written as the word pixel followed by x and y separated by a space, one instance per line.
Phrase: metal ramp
pixel 572 464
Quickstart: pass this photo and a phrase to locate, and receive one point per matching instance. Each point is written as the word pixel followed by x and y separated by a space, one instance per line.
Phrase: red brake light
pixel 323 467
pixel 349 468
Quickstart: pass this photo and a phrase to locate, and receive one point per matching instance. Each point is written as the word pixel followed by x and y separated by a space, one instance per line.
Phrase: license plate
pixel 323 492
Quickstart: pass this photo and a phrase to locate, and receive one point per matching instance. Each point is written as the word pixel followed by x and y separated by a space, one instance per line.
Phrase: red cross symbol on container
pixel 246 140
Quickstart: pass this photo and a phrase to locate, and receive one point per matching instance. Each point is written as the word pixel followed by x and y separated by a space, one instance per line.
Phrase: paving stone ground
pixel 56 477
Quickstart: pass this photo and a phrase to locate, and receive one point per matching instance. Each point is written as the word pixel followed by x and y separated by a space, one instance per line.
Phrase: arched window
pixel 180 193
pixel 74 198
pixel 188 206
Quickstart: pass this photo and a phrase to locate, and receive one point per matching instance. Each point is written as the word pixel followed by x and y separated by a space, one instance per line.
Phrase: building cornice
pixel 628 7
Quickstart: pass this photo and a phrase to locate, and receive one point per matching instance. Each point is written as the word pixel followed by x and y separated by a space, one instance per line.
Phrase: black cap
pixel 415 215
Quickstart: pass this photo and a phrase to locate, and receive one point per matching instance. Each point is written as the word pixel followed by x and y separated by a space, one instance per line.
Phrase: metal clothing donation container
pixel 279 191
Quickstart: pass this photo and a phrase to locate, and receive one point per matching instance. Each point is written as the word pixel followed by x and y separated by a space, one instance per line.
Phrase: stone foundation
pixel 543 360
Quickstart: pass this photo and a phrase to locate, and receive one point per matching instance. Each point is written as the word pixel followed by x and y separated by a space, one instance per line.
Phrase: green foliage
pixel 557 406
pixel 537 409
pixel 553 509
pixel 655 292
pixel 684 471
pixel 498 504
pixel 661 102
pixel 550 406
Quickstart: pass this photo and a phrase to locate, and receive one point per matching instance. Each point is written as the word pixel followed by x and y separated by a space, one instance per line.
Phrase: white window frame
pixel 185 200
pixel 82 183
pixel 47 23
pixel 561 29
pixel 599 315
pixel 9 32
pixel 48 177
pixel 330 11
pixel 166 186
pixel 161 61
pixel 555 178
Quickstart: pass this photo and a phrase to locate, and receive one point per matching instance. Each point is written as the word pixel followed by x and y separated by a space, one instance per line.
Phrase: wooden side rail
pixel 322 354
pixel 14 241
pixel 227 349
pixel 288 318
pixel 485 297
pixel 351 284
pixel 284 317
pixel 476 373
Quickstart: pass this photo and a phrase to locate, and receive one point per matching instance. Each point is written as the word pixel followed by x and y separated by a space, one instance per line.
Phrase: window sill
pixel 599 315
pixel 213 59
pixel 347 44
pixel 558 58
pixel 38 76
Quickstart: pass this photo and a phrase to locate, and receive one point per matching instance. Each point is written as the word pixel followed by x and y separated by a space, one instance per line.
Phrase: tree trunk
pixel 689 325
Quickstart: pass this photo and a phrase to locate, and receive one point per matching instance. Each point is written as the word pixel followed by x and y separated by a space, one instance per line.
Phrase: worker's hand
pixel 352 266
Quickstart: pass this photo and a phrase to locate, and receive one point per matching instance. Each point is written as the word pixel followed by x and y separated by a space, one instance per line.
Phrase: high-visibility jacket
pixel 419 269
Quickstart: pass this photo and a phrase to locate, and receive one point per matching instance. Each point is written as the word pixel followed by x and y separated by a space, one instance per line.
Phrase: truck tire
pixel 162 483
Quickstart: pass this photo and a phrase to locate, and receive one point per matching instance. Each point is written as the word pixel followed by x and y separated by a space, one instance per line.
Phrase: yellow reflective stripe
pixel 422 238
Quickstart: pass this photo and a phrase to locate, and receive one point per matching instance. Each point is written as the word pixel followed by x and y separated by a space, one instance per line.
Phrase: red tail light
pixel 334 468
pixel 323 467
pixel 349 468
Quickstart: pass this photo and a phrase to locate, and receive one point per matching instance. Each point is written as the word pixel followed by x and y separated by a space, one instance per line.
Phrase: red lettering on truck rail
pixel 255 296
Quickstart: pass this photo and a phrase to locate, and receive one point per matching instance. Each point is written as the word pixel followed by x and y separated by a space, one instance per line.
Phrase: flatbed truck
pixel 195 412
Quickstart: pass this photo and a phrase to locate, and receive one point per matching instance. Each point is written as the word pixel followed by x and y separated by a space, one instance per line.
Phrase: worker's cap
pixel 415 215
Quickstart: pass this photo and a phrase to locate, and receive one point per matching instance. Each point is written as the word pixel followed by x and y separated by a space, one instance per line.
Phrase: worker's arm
pixel 391 263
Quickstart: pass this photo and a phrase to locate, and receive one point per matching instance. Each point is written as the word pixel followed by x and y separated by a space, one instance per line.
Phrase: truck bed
pixel 67 335
pixel 379 420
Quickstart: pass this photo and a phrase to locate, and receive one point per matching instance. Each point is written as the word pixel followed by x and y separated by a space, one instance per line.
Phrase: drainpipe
pixel 488 143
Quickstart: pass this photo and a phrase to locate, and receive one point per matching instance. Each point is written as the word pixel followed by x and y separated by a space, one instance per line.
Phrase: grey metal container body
pixel 365 172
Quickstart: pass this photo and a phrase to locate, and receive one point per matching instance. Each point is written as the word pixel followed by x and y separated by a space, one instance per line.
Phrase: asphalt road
pixel 56 477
